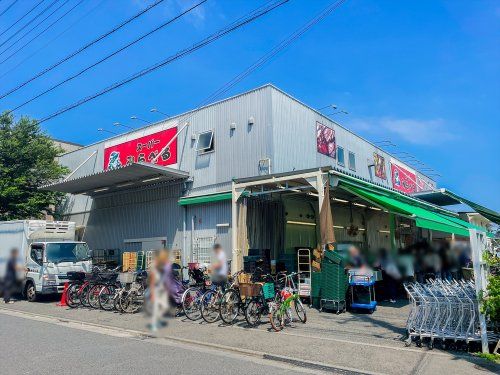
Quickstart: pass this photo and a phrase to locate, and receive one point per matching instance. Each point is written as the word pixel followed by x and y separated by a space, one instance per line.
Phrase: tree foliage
pixel 27 161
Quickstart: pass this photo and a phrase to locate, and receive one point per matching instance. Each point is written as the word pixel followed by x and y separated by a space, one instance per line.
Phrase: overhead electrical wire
pixel 41 32
pixel 83 48
pixel 8 7
pixel 33 19
pixel 264 59
pixel 33 28
pixel 22 17
pixel 90 11
pixel 107 57
pixel 259 12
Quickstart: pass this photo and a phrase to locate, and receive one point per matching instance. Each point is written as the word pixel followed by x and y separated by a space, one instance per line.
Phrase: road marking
pixel 260 357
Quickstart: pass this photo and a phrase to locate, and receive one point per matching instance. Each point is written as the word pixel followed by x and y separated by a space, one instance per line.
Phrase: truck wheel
pixel 30 292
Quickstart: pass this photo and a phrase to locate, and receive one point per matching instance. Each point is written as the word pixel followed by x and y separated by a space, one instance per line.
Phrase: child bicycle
pixel 281 310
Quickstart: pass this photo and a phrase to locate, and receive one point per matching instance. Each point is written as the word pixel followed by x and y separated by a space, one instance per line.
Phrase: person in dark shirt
pixel 10 275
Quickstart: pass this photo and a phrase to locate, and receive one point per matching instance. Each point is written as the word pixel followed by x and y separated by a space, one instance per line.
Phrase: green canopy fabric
pixel 209 198
pixel 486 212
pixel 397 203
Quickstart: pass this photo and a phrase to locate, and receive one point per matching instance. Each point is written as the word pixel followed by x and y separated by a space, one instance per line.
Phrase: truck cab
pixel 47 265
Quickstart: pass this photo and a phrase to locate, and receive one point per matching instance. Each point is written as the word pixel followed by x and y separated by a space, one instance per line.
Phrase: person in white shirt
pixel 219 266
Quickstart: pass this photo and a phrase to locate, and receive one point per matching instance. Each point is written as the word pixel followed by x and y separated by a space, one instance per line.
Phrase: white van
pixel 47 249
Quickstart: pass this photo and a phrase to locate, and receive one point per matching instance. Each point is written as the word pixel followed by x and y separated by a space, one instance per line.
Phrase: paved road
pixel 36 347
pixel 363 343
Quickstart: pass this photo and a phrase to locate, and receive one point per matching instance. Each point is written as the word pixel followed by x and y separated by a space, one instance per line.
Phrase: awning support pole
pixel 477 248
pixel 236 252
pixel 392 231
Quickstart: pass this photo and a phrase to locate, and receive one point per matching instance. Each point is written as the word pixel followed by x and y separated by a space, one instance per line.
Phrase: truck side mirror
pixel 90 253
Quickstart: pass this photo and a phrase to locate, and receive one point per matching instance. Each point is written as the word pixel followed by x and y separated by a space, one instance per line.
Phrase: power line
pixel 41 32
pixel 22 17
pixel 259 12
pixel 90 11
pixel 277 49
pixel 33 28
pixel 114 53
pixel 7 9
pixel 29 22
pixel 260 62
pixel 83 48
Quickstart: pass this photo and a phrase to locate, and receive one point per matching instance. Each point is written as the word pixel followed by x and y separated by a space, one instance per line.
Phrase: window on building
pixel 340 156
pixel 205 142
pixel 352 161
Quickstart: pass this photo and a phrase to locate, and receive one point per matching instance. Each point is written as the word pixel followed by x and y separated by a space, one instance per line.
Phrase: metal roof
pixel 127 177
pixel 437 197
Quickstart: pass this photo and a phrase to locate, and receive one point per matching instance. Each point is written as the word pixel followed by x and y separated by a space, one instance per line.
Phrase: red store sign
pixel 402 179
pixel 143 149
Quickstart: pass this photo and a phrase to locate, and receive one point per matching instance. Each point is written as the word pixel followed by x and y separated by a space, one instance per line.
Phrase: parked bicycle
pixel 288 300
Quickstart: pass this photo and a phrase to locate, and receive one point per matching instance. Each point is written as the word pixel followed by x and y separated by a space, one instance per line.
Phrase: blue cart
pixel 362 290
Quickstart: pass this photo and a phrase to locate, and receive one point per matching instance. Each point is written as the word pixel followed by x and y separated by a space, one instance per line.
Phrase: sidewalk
pixel 369 343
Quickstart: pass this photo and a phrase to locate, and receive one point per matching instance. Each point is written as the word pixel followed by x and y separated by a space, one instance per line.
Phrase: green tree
pixel 27 161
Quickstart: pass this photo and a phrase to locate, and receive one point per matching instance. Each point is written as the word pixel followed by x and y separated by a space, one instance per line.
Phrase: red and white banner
pixel 142 149
pixel 403 179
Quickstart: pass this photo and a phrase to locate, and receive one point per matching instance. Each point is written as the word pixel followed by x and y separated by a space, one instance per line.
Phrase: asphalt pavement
pixel 38 347
pixel 346 343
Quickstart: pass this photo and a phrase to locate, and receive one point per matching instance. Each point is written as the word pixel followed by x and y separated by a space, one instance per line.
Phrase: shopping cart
pixel 446 311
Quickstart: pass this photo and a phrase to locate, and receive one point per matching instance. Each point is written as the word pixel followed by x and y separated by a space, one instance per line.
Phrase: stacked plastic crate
pixel 334 282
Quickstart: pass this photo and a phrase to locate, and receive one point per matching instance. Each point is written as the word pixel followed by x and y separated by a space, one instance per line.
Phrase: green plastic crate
pixel 268 290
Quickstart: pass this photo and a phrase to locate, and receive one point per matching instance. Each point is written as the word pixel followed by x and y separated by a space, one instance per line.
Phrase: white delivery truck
pixel 48 251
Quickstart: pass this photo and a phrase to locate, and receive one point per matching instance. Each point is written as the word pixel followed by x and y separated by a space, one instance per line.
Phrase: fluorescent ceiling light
pixel 124 184
pixel 340 200
pixel 359 204
pixel 151 179
pixel 101 189
pixel 300 223
pixel 338 226
pixel 384 231
pixel 375 208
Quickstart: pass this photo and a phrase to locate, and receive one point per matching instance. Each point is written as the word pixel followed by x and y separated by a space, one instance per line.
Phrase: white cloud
pixel 416 131
pixel 196 17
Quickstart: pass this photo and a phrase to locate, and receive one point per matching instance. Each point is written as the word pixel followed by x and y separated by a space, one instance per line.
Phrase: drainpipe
pixel 193 218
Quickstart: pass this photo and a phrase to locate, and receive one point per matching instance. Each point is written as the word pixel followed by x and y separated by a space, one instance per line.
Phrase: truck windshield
pixel 66 252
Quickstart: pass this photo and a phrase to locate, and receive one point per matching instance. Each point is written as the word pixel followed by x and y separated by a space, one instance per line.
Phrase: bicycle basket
pixel 268 290
pixel 127 277
pixel 250 289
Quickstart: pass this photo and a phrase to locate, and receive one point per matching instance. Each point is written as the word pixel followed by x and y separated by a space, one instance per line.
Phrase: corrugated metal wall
pixel 283 130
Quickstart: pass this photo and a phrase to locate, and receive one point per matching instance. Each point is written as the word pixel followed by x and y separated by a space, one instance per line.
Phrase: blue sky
pixel 424 74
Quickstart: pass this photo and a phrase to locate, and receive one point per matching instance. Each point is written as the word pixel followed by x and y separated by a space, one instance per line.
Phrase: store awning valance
pixel 208 198
pixel 397 203
pixel 130 176
pixel 445 197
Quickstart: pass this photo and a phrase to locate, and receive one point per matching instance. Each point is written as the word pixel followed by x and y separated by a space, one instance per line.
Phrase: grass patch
pixel 489 356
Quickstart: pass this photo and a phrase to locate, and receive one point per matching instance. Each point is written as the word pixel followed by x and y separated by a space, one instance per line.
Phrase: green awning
pixel 398 203
pixel 208 198
pixel 486 212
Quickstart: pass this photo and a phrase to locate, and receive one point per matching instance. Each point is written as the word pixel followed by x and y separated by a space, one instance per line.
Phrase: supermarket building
pixel 248 171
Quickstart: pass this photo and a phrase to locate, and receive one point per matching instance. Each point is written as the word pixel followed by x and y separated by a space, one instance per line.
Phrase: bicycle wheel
pixel 93 296
pixel 277 317
pixel 300 311
pixel 106 297
pixel 73 295
pixel 84 294
pixel 191 301
pixel 132 303
pixel 210 306
pixel 230 306
pixel 253 313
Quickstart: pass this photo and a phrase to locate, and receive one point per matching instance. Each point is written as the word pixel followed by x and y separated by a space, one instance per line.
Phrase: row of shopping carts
pixel 443 310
